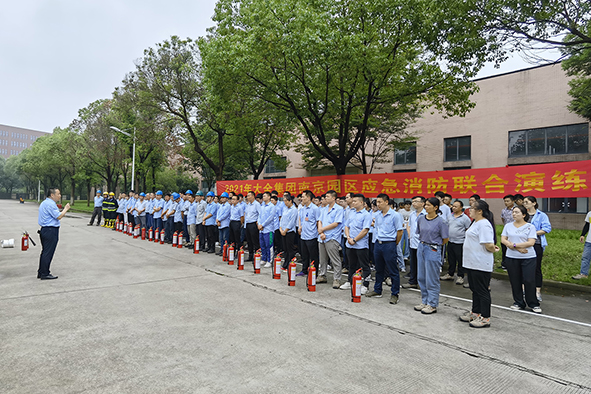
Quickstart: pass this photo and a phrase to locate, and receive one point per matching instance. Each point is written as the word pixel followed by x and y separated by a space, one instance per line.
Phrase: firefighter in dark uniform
pixel 112 210
pixel 105 210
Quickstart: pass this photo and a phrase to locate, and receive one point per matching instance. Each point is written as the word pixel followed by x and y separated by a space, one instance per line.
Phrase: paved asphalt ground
pixel 128 316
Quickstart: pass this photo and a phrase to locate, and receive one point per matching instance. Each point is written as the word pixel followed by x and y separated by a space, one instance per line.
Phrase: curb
pixel 551 283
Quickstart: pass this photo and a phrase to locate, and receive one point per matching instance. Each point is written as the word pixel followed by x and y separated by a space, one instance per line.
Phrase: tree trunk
pixel 73 187
pixel 88 192
pixel 220 173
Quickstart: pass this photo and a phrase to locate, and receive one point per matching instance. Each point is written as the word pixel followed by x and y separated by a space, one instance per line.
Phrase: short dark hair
pixel 351 194
pixel 383 196
pixel 260 195
pixel 448 195
pixel 235 195
pixel 273 197
pixel 309 194
pixel 267 193
pixel 274 192
pixel 421 197
pixel 251 192
pixel 509 196
pixel 288 198
pixel 439 194
pixel 523 211
pixel 518 197
pixel 51 190
pixel 358 195
pixel 460 201
pixel 240 195
pixel 475 196
pixel 332 193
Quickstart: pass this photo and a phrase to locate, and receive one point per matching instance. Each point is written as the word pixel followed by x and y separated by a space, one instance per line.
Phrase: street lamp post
pixel 133 154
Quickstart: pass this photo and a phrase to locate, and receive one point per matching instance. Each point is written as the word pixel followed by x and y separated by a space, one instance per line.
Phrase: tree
pixel 168 79
pixel 9 175
pixel 338 67
pixel 533 27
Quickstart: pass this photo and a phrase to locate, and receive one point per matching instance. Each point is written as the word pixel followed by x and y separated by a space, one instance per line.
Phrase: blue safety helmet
pixel 189 192
pixel 142 194
pixel 224 194
pixel 175 196
pixel 98 192
pixel 159 193
pixel 199 193
pixel 210 194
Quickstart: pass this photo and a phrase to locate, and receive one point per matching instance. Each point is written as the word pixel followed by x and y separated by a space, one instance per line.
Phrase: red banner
pixel 566 179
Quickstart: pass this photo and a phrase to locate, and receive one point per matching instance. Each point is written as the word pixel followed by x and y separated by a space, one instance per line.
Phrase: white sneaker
pixel 537 309
pixel 363 289
pixel 345 286
pixel 267 264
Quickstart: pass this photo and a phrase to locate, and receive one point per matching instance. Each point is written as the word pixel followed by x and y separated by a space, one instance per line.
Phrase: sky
pixel 58 56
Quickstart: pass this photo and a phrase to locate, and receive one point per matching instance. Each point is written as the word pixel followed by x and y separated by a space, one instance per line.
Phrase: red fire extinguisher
pixel 230 255
pixel 162 235
pixel 257 262
pixel 25 242
pixel 117 224
pixel 129 229
pixel 150 234
pixel 180 240
pixel 157 235
pixel 240 259
pixel 311 277
pixel 277 267
pixel 356 286
pixel 225 251
pixel 291 272
pixel 143 233
pixel 136 233
pixel 175 238
pixel 196 246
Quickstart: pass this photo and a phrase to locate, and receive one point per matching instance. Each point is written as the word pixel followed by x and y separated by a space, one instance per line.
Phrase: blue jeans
pixel 403 250
pixel 428 265
pixel 158 224
pixel 149 221
pixel 384 257
pixel 224 235
pixel 585 259
pixel 265 242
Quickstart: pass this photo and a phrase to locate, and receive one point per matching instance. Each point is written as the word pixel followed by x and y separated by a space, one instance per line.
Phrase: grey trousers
pixel 192 233
pixel 329 251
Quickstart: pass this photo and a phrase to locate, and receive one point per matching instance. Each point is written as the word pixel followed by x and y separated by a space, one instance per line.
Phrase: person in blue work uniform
pixel 175 213
pixel 158 208
pixel 49 220
pixel 330 228
pixel 222 220
pixel 186 204
pixel 191 221
pixel 98 209
pixel 209 222
pixel 251 216
pixel 357 235
pixel 140 209
pixel 236 220
pixel 121 205
pixel 308 217
pixel 387 234
pixel 150 211
pixel 265 224
pixel 287 229
pixel 201 206
pixel 168 219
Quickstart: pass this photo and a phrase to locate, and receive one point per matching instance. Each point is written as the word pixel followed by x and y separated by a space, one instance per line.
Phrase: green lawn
pixel 79 206
pixel 562 257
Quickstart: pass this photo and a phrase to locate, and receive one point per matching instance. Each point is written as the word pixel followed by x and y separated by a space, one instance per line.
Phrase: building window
pixel 406 156
pixel 271 168
pixel 557 140
pixel 565 205
pixel 457 149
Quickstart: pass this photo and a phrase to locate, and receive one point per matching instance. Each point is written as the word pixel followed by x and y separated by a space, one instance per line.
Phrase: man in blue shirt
pixel 309 215
pixel 330 228
pixel 191 221
pixel 49 220
pixel 251 215
pixel 175 212
pixel 167 221
pixel 287 228
pixel 158 208
pixel 356 233
pixel 418 202
pixel 185 211
pixel 209 222
pixel 388 233
pixel 265 226
pixel 98 209
pixel 223 220
pixel 236 221
pixel 201 206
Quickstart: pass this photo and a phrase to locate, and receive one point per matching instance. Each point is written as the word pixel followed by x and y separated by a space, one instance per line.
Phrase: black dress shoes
pixel 47 277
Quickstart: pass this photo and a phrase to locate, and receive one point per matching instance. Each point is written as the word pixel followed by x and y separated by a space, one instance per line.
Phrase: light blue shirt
pixel 192 214
pixel 289 219
pixel 412 228
pixel 236 212
pixel 158 204
pixel 122 203
pixel 251 212
pixel 223 215
pixel 357 221
pixel 185 206
pixel 387 226
pixel 279 208
pixel 212 208
pixel 308 218
pixel 541 222
pixel 446 213
pixel 177 208
pixel 167 205
pixel 48 213
pixel 98 201
pixel 139 205
pixel 267 217
pixel 336 214
pixel 201 207
pixel 150 207
pixel 276 218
